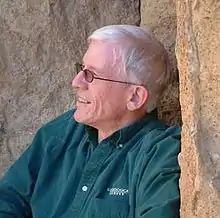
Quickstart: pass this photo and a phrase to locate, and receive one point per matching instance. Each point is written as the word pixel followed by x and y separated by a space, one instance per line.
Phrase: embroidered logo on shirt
pixel 117 191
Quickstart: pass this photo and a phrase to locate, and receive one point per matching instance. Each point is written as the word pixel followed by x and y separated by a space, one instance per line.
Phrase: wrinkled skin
pixel 100 104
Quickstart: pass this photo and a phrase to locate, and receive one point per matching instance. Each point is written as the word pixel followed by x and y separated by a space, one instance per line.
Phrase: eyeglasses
pixel 90 76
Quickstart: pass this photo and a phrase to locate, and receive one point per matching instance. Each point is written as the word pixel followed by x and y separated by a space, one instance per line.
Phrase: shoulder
pixel 59 122
pixel 57 131
pixel 159 149
pixel 162 137
pixel 159 152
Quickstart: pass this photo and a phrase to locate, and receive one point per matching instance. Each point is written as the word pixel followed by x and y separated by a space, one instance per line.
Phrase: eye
pixel 88 75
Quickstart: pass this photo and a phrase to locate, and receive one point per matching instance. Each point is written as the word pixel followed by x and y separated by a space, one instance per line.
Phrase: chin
pixel 80 118
pixel 77 116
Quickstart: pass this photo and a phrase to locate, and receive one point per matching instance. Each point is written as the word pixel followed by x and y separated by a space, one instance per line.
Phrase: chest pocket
pixel 105 208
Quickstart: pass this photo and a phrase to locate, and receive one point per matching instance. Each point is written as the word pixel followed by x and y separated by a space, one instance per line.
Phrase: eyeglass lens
pixel 87 73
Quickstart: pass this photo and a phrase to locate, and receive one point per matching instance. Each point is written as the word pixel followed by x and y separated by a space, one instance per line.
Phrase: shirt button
pixel 120 146
pixel 84 188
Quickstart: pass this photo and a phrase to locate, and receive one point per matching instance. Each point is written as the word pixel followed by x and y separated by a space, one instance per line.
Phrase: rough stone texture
pixel 160 17
pixel 39 43
pixel 198 55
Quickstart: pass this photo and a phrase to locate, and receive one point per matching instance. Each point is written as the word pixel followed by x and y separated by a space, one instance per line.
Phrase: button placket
pixel 89 177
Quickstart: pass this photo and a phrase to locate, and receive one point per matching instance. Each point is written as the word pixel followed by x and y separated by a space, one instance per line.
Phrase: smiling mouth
pixel 82 100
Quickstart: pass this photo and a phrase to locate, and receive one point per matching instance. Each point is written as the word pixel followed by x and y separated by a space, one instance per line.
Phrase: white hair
pixel 144 59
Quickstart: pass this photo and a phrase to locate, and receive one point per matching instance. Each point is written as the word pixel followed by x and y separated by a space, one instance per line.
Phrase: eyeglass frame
pixel 81 67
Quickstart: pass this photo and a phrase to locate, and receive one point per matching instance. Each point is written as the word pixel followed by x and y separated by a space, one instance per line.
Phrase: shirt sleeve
pixel 16 187
pixel 158 191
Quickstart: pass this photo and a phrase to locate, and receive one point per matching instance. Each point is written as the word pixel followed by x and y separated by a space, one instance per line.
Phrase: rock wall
pixel 160 17
pixel 198 55
pixel 39 43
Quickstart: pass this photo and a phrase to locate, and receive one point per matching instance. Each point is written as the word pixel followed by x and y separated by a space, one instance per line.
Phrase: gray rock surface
pixel 160 16
pixel 39 43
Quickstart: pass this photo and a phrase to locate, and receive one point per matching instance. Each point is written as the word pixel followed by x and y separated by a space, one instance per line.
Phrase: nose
pixel 79 81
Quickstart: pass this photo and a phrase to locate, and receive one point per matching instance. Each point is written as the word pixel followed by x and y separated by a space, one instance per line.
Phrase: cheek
pixel 99 96
pixel 111 101
pixel 99 101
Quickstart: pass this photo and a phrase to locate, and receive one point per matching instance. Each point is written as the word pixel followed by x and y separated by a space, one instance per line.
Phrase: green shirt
pixel 66 173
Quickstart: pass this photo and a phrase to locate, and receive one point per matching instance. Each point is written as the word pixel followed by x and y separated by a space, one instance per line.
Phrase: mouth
pixel 82 100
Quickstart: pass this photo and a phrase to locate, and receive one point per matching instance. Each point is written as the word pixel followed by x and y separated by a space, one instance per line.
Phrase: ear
pixel 137 98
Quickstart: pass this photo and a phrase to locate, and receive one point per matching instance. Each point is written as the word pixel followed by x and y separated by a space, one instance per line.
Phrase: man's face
pixel 99 102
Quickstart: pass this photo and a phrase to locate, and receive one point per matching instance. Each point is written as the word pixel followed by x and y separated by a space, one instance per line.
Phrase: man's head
pixel 122 53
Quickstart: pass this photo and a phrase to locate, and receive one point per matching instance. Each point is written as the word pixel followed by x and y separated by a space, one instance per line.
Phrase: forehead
pixel 99 55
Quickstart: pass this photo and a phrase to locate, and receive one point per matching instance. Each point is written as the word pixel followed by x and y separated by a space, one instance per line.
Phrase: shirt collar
pixel 124 134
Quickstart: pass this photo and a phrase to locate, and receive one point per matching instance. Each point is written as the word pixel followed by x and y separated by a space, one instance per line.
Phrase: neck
pixel 113 126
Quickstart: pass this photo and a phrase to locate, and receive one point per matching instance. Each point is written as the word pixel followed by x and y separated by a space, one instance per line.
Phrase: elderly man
pixel 111 156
